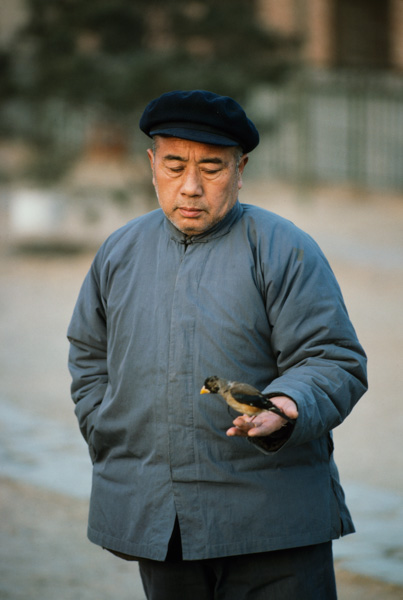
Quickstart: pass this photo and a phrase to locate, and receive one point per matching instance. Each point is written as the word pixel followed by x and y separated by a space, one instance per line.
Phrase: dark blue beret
pixel 202 117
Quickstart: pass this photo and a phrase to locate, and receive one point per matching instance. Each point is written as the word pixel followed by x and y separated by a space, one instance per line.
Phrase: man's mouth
pixel 189 212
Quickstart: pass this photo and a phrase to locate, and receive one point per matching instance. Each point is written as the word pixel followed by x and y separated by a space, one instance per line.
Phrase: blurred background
pixel 323 81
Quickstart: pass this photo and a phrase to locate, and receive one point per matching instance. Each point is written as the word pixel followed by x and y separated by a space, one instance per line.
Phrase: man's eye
pixel 176 169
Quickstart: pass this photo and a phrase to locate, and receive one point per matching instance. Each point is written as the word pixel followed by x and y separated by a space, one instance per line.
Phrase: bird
pixel 242 397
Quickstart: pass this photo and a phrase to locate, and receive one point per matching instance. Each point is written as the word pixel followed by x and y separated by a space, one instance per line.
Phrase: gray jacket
pixel 251 300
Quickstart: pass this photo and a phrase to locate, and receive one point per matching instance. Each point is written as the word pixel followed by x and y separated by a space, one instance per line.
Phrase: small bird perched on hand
pixel 242 397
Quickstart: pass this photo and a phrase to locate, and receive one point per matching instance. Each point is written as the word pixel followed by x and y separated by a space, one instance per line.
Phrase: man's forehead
pixel 204 159
pixel 170 148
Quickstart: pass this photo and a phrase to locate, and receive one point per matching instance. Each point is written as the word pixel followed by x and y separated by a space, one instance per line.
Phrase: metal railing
pixel 335 127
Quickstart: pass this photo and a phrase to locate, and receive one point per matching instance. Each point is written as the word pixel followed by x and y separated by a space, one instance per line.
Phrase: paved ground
pixel 44 468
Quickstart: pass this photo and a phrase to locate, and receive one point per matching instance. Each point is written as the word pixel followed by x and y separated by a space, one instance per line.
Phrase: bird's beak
pixel 204 390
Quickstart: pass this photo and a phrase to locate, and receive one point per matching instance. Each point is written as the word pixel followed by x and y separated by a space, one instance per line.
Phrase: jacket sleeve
pixel 321 365
pixel 88 353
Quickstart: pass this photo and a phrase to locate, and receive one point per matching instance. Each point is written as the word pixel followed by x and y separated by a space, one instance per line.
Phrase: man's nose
pixel 192 183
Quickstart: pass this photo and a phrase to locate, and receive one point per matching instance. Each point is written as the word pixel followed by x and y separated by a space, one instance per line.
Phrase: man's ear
pixel 151 159
pixel 242 164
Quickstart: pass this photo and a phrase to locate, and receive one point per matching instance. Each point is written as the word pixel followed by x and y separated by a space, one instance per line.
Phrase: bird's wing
pixel 257 400
pixel 252 399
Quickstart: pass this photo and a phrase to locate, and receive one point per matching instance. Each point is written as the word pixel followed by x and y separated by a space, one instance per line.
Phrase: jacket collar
pixel 219 229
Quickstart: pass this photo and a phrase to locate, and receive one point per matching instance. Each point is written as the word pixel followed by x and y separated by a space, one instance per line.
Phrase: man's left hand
pixel 265 423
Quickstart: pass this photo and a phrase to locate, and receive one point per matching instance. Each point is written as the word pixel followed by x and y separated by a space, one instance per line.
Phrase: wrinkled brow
pixel 213 159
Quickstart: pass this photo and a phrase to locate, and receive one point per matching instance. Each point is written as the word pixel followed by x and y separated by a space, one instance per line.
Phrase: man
pixel 206 286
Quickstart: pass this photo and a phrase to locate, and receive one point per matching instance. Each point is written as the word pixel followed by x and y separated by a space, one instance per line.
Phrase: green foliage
pixel 118 54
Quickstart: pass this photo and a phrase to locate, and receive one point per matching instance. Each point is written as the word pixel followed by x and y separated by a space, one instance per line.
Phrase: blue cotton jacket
pixel 252 300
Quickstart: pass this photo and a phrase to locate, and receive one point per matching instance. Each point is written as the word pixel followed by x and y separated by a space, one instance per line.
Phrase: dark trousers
pixel 305 573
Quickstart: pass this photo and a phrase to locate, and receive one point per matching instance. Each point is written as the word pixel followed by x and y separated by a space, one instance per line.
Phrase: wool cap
pixel 200 116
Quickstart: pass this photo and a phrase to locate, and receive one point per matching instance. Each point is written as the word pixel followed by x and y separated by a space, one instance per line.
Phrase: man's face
pixel 196 184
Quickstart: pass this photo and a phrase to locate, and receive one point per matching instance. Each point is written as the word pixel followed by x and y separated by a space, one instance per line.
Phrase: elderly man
pixel 208 286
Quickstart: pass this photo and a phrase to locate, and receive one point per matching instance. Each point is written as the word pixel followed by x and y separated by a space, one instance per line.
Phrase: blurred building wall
pixel 342 32
pixel 343 120
pixel 397 33
pixel 12 16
